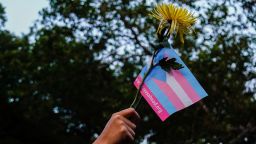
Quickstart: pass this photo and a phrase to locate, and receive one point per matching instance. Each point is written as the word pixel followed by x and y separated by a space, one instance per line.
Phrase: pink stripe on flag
pixel 185 85
pixel 151 99
pixel 168 91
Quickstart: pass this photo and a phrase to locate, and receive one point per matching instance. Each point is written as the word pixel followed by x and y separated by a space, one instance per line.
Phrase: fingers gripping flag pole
pixel 168 92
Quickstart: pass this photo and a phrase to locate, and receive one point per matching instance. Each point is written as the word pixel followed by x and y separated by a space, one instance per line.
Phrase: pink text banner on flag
pixel 169 92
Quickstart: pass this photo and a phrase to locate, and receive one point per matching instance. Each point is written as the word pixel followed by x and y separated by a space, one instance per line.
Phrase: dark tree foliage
pixel 2 16
pixel 61 82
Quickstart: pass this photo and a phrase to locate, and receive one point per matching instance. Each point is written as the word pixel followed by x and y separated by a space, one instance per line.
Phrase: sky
pixel 21 14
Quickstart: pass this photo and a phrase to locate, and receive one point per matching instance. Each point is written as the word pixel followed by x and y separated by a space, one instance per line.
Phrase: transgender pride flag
pixel 166 92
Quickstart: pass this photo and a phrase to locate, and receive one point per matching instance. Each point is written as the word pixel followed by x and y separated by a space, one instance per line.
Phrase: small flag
pixel 169 92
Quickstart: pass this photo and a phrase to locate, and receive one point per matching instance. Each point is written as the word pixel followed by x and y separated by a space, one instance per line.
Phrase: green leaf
pixel 168 64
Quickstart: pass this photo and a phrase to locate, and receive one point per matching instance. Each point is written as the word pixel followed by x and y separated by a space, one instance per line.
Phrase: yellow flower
pixel 173 18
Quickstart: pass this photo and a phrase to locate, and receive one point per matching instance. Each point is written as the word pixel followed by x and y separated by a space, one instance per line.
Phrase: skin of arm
pixel 120 128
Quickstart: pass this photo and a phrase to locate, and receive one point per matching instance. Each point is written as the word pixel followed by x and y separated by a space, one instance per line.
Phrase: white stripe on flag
pixel 178 90
pixel 149 62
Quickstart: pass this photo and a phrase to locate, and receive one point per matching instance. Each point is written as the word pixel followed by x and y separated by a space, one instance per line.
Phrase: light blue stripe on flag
pixel 143 71
pixel 158 73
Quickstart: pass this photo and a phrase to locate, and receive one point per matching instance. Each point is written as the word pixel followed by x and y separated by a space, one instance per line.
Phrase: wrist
pixel 100 140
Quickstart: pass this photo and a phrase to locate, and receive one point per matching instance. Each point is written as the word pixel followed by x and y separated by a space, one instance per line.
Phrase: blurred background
pixel 67 65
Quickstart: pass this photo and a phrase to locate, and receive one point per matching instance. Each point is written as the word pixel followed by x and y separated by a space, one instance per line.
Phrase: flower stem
pixel 137 98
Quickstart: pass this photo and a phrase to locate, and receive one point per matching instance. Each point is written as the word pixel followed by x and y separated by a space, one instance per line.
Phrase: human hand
pixel 120 128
